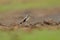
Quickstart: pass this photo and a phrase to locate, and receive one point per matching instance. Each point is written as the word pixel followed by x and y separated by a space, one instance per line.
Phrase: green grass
pixel 38 4
pixel 34 35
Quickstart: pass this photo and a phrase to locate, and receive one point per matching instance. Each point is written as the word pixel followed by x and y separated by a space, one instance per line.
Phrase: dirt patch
pixel 39 18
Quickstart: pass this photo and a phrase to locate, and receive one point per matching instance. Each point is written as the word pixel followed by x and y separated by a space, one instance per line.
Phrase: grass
pixel 34 35
pixel 36 4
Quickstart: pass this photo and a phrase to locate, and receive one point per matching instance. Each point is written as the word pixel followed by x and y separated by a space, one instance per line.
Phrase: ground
pixel 37 15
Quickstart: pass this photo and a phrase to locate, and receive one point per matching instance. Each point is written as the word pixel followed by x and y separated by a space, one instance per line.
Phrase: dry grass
pixel 30 28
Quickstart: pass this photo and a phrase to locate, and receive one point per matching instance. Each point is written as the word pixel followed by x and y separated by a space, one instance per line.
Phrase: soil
pixel 12 18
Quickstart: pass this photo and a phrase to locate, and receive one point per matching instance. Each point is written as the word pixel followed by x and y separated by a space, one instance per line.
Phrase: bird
pixel 26 18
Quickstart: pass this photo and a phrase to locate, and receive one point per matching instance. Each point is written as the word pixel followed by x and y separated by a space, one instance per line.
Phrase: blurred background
pixel 9 9
pixel 24 4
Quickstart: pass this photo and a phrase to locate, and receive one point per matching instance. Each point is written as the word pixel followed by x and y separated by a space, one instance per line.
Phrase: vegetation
pixel 34 35
pixel 34 4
